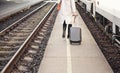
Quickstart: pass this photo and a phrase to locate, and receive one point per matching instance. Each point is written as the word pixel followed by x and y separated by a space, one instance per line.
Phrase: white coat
pixel 67 11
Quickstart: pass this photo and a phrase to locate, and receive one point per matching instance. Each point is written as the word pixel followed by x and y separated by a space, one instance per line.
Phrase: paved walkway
pixel 8 8
pixel 61 57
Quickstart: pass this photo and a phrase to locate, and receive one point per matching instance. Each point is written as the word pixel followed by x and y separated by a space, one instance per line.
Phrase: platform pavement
pixel 61 57
pixel 8 8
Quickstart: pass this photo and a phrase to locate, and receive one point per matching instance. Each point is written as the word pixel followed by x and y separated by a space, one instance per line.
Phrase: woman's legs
pixel 69 26
pixel 64 28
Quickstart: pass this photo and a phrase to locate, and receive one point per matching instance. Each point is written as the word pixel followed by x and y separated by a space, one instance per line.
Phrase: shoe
pixel 67 36
pixel 63 36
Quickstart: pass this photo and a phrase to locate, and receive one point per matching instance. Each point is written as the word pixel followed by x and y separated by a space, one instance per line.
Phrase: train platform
pixel 9 7
pixel 62 57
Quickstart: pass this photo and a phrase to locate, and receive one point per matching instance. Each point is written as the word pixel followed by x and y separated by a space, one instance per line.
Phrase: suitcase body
pixel 75 35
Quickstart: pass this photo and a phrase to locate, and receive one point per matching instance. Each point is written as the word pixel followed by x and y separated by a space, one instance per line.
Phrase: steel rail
pixel 15 23
pixel 17 55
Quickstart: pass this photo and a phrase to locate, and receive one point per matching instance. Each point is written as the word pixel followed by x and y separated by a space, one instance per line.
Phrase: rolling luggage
pixel 75 35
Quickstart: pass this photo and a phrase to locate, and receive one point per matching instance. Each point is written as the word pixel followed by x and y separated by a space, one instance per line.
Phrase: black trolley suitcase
pixel 75 35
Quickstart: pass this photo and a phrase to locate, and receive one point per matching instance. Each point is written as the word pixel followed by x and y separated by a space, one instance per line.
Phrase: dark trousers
pixel 64 28
pixel 69 26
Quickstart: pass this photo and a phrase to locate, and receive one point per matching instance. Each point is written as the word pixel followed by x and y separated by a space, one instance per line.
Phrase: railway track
pixel 31 58
pixel 16 37
pixel 110 51
pixel 5 22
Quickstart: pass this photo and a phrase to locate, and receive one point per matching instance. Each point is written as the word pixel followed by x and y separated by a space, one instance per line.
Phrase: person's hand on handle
pixel 75 15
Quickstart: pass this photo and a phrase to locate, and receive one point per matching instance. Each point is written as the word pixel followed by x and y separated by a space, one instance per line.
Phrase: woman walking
pixel 68 12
